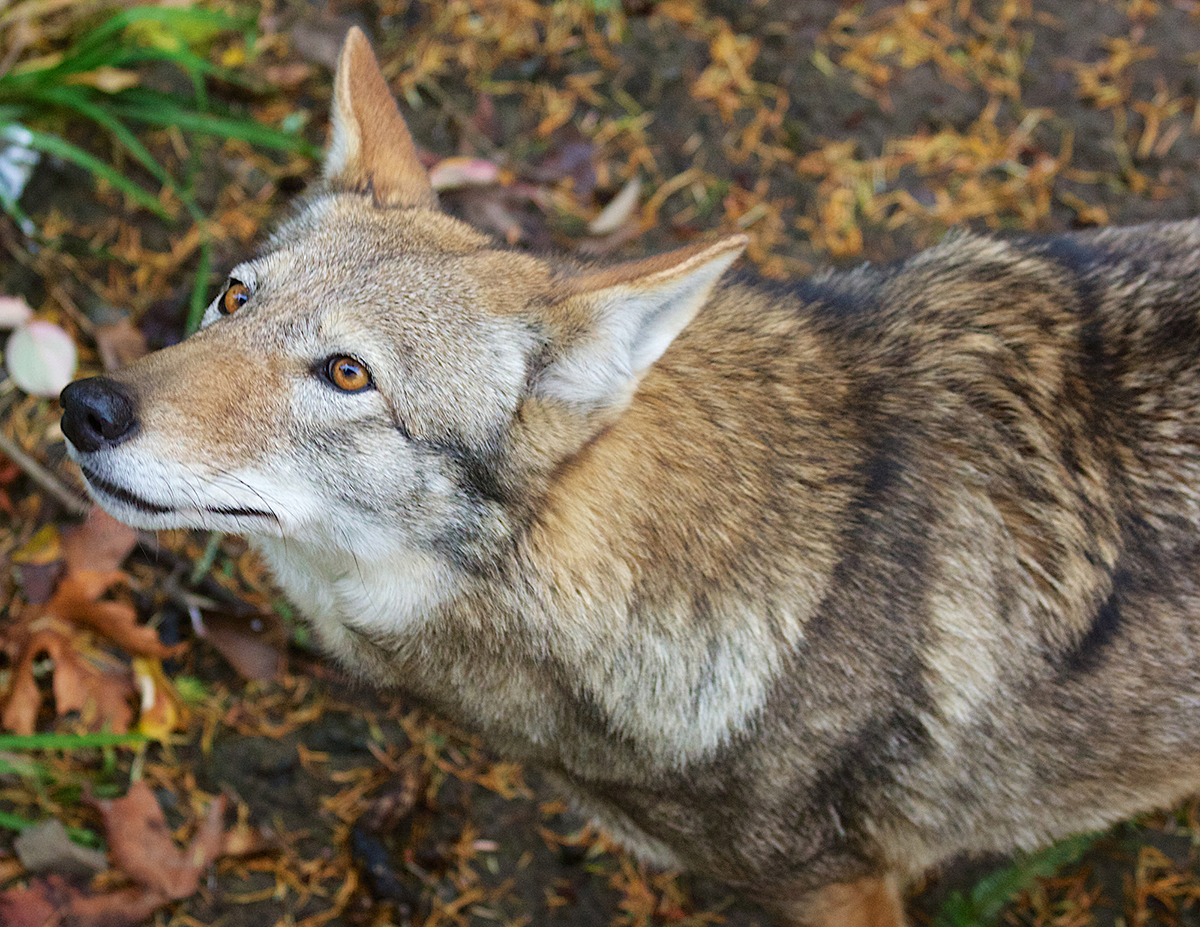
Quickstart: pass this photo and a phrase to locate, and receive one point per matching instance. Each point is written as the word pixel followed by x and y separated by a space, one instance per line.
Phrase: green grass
pixel 68 741
pixel 981 906
pixel 97 80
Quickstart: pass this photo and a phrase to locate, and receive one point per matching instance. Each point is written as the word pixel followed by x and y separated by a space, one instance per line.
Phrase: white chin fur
pixel 156 494
pixel 183 518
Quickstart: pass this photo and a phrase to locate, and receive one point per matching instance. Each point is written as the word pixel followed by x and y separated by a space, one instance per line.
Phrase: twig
pixel 44 478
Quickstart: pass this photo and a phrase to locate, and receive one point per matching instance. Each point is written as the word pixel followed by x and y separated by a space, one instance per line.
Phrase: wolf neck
pixel 649 600
pixel 680 555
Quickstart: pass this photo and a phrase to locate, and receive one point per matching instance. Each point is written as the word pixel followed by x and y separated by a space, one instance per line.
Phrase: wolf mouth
pixel 121 494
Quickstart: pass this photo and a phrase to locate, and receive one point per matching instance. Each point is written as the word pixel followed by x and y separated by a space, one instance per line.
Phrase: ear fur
pixel 371 148
pixel 615 323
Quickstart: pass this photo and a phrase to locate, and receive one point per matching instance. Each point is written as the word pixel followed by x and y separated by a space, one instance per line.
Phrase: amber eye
pixel 234 298
pixel 347 374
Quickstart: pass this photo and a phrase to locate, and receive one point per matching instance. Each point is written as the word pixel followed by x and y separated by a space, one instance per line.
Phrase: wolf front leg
pixel 873 901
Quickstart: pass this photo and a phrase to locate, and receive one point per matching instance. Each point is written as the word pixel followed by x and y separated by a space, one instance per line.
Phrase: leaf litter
pixel 828 132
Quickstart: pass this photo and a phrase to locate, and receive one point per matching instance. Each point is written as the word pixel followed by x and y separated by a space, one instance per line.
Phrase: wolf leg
pixel 868 902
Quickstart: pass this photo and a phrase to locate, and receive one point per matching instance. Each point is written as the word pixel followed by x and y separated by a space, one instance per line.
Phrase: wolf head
pixel 382 377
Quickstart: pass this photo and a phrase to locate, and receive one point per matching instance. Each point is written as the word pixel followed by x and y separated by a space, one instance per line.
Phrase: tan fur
pixel 805 587
pixel 863 903
pixel 372 149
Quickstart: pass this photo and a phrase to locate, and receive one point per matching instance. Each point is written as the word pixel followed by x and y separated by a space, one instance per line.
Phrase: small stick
pixel 44 478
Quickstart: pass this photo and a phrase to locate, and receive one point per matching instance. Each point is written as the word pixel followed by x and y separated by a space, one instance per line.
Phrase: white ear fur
pixel 631 314
pixel 344 141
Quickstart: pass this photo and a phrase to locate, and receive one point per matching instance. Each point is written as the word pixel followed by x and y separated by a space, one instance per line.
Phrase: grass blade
pixel 180 20
pixel 53 145
pixel 154 109
pixel 70 98
pixel 199 300
pixel 68 741
pixel 80 835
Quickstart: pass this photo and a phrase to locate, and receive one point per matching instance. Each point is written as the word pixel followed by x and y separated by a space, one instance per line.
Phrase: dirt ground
pixel 833 133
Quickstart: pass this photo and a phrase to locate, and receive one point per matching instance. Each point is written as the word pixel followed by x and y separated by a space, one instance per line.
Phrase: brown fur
pixel 806 587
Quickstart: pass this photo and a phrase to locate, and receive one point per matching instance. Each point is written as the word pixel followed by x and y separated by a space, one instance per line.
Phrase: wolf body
pixel 806 587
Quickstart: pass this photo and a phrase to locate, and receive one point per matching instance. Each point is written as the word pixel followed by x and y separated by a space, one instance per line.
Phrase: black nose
pixel 97 413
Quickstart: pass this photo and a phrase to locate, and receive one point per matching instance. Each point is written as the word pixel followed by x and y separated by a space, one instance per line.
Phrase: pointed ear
pixel 371 148
pixel 614 324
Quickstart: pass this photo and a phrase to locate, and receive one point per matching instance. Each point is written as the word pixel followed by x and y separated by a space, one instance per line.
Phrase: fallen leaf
pixel 255 647
pixel 45 847
pixel 100 544
pixel 141 846
pixel 574 159
pixel 140 842
pixel 43 548
pixel 54 901
pixel 9 472
pixel 456 173
pixel 106 78
pixel 162 712
pixel 38 565
pixel 101 698
pixel 39 905
pixel 119 344
pixel 618 211
pixel 14 311
pixel 126 907
pixel 41 358
pixel 488 209
pixel 76 602
pixel 288 75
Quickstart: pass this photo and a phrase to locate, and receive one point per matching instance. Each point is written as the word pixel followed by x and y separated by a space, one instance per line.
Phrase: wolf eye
pixel 347 374
pixel 234 298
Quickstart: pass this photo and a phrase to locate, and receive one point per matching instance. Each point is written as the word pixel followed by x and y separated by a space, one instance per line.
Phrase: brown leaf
pixel 53 901
pixel 36 906
pixel 141 845
pixel 75 601
pixel 255 647
pixel 119 344
pixel 37 581
pixel 101 698
pixel 24 699
pixel 38 564
pixel 100 544
pixel 127 907
pixel 288 75
pixel 140 842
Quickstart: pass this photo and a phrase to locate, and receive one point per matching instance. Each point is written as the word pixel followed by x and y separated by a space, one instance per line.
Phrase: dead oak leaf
pixel 56 902
pixel 119 344
pixel 77 601
pixel 141 846
pixel 101 698
pixel 140 842
pixel 100 544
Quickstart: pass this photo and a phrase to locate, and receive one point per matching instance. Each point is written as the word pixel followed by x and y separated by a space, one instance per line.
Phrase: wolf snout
pixel 97 413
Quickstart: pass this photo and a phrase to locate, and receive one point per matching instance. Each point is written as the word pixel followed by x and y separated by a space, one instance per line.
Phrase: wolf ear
pixel 371 148
pixel 613 324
